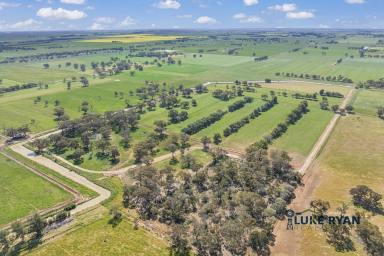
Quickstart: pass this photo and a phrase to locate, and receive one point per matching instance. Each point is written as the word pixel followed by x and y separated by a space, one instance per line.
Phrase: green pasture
pixel 23 192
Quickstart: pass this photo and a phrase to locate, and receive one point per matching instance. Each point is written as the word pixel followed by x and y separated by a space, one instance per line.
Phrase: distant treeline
pixel 338 78
pixel 57 55
pixel 17 87
pixel 377 84
pixel 331 94
pixel 262 58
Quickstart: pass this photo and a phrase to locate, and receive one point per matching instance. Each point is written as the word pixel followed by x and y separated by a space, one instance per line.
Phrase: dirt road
pixel 288 243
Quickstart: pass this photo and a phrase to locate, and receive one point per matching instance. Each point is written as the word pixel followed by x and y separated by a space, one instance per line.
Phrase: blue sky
pixel 147 14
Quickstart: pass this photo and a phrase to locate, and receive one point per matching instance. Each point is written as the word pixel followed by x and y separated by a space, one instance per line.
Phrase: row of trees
pixel 338 78
pixel 17 87
pixel 324 93
pixel 235 127
pixel 203 123
pixel 58 55
pixel 239 104
pixel 376 84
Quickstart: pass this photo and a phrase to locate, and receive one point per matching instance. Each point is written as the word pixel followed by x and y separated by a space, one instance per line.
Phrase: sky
pixel 31 15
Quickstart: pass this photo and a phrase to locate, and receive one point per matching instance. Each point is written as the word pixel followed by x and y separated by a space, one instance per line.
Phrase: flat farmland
pixel 23 192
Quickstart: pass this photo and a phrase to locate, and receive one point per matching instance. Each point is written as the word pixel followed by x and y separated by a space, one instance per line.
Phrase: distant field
pixel 368 101
pixel 23 192
pixel 99 238
pixel 133 38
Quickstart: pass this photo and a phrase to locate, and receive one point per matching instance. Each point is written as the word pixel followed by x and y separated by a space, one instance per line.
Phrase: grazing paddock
pixel 100 238
pixel 23 192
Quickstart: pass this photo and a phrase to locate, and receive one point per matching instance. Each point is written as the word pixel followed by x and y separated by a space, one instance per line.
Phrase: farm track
pixel 286 242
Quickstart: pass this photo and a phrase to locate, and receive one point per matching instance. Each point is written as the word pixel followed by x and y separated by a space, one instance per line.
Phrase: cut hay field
pixel 23 192
pixel 352 156
pixel 133 38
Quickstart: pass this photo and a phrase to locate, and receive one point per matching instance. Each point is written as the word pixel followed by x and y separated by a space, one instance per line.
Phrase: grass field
pixel 353 156
pixel 368 101
pixel 23 192
pixel 99 238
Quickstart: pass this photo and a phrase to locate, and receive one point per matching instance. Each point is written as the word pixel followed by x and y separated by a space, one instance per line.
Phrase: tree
pixel 84 107
pixel 4 244
pixel 320 207
pixel 172 148
pixel 335 108
pixel 371 237
pixel 103 146
pixel 40 145
pixel 339 236
pixel 37 225
pixel 365 197
pixel 160 128
pixel 217 139
pixel 115 154
pixel 380 112
pixel 205 141
pixel 116 217
pixel 59 113
pixel 184 141
pixel 125 141
pixel 179 243
pixel 77 156
pixel 349 108
pixel 260 241
pixel 17 227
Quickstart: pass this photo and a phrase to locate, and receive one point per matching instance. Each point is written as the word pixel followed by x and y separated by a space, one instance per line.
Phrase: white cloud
pixel 206 20
pixel 239 16
pixel 104 20
pixel 7 5
pixel 184 16
pixel 323 26
pixel 128 21
pixel 244 18
pixel 72 1
pixel 168 4
pixel 60 13
pixel 300 15
pixel 30 23
pixel 283 7
pixel 251 2
pixel 355 1
pixel 96 26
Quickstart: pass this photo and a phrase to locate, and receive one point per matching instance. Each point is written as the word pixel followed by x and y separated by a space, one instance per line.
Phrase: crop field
pixel 23 192
pixel 133 38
